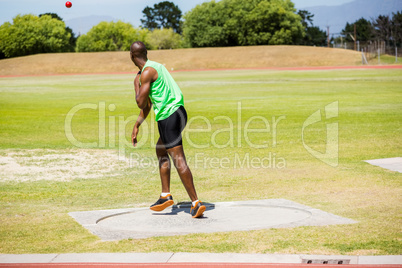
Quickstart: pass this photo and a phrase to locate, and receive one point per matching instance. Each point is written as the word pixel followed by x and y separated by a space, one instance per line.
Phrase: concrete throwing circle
pixel 137 223
pixel 222 217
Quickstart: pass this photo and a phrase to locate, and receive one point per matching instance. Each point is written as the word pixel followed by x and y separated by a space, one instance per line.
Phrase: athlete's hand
pixel 134 135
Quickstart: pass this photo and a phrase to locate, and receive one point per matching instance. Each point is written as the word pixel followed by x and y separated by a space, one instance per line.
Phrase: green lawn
pixel 385 59
pixel 51 176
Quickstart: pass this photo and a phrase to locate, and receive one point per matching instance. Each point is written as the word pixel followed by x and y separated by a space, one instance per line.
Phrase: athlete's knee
pixel 164 162
pixel 180 163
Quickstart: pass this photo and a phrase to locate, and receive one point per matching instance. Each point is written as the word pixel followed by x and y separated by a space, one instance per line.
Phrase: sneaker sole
pixel 200 212
pixel 162 206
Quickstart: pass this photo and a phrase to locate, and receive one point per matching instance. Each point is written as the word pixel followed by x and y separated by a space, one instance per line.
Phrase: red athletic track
pixel 238 69
pixel 193 265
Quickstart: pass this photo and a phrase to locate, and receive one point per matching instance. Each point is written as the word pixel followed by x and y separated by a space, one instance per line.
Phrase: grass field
pixel 44 176
pixel 385 59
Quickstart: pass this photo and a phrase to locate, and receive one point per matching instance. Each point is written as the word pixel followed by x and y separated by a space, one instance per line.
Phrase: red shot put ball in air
pixel 68 4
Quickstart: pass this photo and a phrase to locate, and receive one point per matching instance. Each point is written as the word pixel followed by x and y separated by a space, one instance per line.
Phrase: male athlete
pixel 154 86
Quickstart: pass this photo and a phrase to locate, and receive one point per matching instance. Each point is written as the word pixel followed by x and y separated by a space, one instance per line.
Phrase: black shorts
pixel 170 128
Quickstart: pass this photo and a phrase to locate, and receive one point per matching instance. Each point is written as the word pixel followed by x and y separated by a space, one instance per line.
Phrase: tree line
pixel 211 24
pixel 383 28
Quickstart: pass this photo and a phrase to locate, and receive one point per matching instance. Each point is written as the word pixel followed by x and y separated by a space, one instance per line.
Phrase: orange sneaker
pixel 198 210
pixel 162 203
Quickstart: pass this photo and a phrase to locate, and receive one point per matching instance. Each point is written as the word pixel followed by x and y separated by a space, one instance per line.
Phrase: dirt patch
pixel 181 59
pixel 59 165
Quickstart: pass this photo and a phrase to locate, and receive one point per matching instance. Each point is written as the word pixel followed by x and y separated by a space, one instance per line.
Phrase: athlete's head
pixel 138 53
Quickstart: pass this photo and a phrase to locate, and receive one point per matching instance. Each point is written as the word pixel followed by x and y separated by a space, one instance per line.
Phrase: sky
pixel 125 10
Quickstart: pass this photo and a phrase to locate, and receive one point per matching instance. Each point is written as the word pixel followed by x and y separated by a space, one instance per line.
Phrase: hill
pixel 181 59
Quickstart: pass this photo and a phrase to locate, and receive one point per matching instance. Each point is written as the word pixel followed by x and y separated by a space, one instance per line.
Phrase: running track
pixel 191 265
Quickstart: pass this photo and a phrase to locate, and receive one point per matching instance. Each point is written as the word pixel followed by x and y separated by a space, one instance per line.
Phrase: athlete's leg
pixel 179 160
pixel 164 166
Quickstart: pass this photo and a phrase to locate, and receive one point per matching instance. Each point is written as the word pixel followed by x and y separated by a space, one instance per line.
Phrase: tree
pixel 163 39
pixel 241 22
pixel 110 36
pixel 397 28
pixel 313 35
pixel 307 18
pixel 53 15
pixel 150 19
pixel 73 39
pixel 163 15
pixel 29 34
pixel 364 30
pixel 204 26
pixel 383 28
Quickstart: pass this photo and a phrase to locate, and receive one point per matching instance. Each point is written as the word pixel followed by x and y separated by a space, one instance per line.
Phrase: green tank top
pixel 165 94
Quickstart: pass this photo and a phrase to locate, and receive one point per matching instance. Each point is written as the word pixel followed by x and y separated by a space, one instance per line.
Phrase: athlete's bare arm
pixel 142 98
pixel 141 117
pixel 148 76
